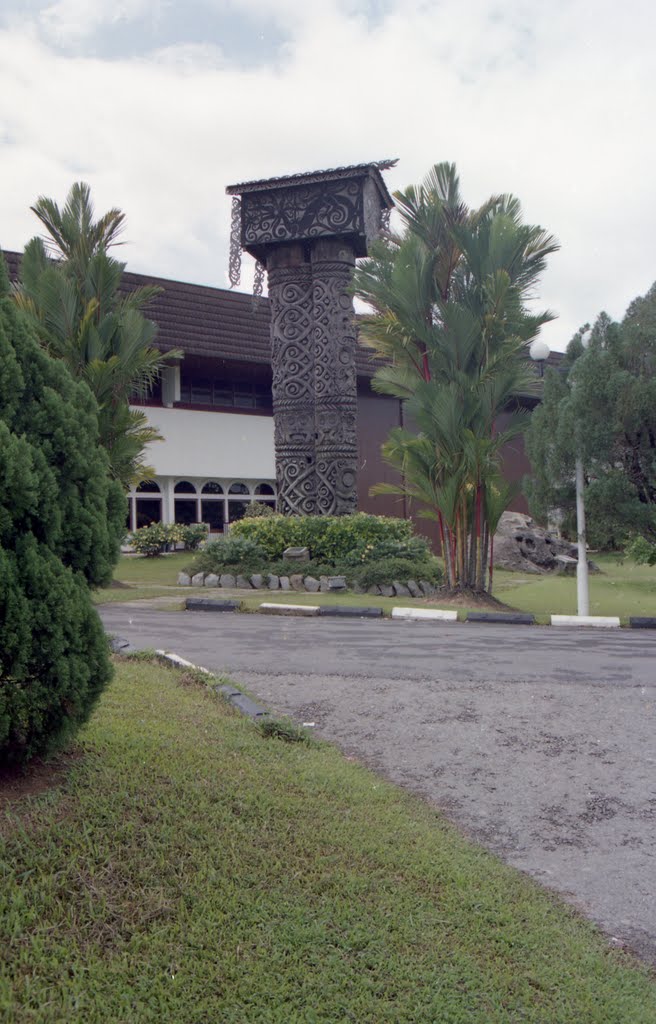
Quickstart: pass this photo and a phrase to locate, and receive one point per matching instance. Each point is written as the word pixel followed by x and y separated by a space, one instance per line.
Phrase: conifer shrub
pixel 61 522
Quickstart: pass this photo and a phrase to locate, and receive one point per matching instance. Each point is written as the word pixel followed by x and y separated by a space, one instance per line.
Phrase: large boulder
pixel 521 546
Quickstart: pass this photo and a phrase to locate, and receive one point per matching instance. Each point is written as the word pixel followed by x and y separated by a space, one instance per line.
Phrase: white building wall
pixel 211 444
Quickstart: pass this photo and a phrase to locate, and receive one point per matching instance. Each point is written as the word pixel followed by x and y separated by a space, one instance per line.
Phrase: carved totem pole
pixel 307 230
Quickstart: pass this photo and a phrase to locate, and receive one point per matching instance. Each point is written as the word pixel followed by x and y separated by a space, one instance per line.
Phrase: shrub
pixel 151 540
pixel 389 570
pixel 258 510
pixel 61 521
pixel 156 538
pixel 331 539
pixel 415 549
pixel 230 552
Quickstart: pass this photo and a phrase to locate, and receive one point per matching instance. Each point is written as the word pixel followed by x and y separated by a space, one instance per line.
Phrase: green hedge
pixel 330 539
pixel 153 540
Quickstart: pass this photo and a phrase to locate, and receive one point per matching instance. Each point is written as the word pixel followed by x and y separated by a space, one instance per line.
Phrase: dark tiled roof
pixel 209 322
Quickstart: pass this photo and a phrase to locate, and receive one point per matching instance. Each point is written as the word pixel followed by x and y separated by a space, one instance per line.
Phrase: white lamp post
pixel 539 352
pixel 582 586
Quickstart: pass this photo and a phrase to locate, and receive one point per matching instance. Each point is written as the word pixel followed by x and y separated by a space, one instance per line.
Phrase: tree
pixel 70 287
pixel 603 407
pixel 451 326
pixel 61 520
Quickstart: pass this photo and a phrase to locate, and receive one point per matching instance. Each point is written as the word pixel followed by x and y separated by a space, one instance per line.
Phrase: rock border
pixel 300 583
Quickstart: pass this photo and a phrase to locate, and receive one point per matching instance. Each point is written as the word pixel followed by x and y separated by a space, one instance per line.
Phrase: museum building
pixel 213 407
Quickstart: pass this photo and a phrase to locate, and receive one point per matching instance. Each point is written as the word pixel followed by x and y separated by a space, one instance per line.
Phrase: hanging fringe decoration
pixel 258 280
pixel 234 260
pixel 385 221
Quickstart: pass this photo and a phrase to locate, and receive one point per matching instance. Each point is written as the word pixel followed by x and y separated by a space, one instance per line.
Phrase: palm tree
pixel 70 286
pixel 449 321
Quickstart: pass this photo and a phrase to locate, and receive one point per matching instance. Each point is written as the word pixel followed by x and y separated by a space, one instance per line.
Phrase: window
pixel 222 392
pixel 148 487
pixel 184 487
pixel 264 489
pixel 238 488
pixel 211 487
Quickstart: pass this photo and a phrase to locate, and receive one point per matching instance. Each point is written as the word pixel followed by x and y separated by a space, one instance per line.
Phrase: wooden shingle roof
pixel 208 322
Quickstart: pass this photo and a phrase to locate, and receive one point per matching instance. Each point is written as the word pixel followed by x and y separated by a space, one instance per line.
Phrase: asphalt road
pixel 539 742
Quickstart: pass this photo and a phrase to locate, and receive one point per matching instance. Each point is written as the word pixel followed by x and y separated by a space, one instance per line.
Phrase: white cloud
pixel 546 101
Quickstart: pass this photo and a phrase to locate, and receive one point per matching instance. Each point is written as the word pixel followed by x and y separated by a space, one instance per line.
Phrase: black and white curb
pixel 234 696
pixel 204 604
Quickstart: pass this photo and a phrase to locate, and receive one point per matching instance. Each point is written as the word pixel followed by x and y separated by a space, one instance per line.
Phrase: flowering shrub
pixel 158 537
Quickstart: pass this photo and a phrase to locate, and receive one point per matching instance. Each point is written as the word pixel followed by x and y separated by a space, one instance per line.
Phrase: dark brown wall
pixel 377 415
pixel 515 467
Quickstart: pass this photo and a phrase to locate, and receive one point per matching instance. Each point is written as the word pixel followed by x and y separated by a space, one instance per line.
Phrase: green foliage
pixel 155 539
pixel 258 509
pixel 330 539
pixel 603 407
pixel 641 551
pixel 70 288
pixel 384 571
pixel 451 323
pixel 284 729
pixel 61 520
pixel 415 549
pixel 243 553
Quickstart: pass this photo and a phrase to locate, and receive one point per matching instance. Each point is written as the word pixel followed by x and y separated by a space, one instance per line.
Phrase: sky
pixel 160 104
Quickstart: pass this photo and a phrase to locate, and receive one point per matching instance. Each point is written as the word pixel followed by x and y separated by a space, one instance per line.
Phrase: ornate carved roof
pixel 314 177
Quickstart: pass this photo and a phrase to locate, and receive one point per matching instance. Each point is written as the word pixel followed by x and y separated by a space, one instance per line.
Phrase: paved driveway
pixel 539 742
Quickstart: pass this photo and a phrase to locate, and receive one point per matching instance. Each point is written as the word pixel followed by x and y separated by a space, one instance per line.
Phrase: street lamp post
pixel 539 353
pixel 582 586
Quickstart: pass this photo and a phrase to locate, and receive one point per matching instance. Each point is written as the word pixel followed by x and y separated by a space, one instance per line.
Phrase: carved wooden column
pixel 308 229
pixel 335 384
pixel 292 358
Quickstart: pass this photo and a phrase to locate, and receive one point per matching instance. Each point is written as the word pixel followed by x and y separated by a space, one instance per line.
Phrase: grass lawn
pixel 189 871
pixel 623 588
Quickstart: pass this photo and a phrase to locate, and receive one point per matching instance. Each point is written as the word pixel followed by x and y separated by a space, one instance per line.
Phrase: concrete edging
pixel 600 621
pixel 425 614
pixel 234 696
pixel 269 608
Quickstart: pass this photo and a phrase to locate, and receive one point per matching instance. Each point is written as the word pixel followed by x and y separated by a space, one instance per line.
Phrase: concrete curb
pixel 424 614
pixel 600 621
pixel 348 611
pixel 513 618
pixel 234 696
pixel 289 609
pixel 206 604
pixel 642 622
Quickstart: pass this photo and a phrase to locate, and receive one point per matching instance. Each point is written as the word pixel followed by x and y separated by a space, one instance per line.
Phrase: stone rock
pixel 184 579
pixel 273 581
pixel 337 583
pixel 296 582
pixel 323 584
pixel 521 546
pixel 311 584
pixel 296 554
pixel 428 589
pixel 242 583
pixel 284 583
pixel 386 591
pixel 257 581
pixel 211 580
pixel 357 588
pixel 198 579
pixel 227 580
pixel 374 589
pixel 400 589
pixel 414 588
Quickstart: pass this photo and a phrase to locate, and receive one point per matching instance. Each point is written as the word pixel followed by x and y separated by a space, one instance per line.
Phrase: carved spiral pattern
pixel 290 293
pixel 335 388
pixel 310 212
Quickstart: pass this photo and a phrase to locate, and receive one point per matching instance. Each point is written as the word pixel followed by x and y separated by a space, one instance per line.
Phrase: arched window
pixel 213 506
pixel 238 488
pixel 185 509
pixel 264 489
pixel 147 504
